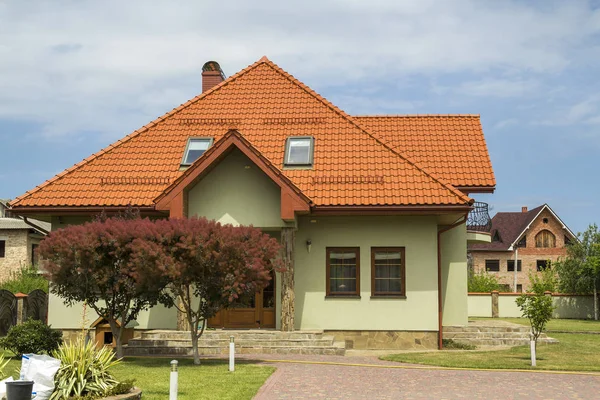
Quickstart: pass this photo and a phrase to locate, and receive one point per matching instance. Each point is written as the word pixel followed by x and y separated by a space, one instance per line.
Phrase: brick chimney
pixel 212 75
pixel 524 209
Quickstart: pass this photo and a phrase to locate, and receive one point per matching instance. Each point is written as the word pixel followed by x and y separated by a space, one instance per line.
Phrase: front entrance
pixel 256 312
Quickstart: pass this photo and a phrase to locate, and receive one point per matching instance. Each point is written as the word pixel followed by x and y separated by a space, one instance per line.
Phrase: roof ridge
pixel 343 114
pixel 417 115
pixel 137 132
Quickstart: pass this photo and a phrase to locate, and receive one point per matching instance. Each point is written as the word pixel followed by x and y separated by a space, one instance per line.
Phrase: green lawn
pixel 568 325
pixel 575 352
pixel 211 380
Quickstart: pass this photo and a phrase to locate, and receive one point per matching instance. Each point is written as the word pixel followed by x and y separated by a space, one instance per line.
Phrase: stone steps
pixel 178 343
pixel 506 334
pixel 225 334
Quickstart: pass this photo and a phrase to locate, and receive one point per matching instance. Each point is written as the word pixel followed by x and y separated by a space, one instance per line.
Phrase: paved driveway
pixel 322 381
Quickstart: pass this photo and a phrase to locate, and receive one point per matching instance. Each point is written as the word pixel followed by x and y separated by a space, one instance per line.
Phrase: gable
pixel 237 192
pixel 351 166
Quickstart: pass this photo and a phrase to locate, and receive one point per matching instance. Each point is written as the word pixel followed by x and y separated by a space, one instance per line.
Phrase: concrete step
pixel 491 328
pixel 222 334
pixel 214 350
pixel 486 335
pixel 503 341
pixel 325 341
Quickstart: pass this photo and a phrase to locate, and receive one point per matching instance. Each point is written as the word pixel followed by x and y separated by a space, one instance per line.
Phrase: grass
pixel 575 352
pixel 566 325
pixel 211 380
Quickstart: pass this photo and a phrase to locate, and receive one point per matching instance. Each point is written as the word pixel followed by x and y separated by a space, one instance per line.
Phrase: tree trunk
pixel 195 347
pixel 287 280
pixel 117 334
pixel 182 321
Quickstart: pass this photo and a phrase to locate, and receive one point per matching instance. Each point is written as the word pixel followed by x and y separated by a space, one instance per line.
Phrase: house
pixel 372 211
pixel 535 238
pixel 19 239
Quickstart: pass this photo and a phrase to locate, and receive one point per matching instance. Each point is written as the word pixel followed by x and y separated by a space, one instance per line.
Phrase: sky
pixel 78 75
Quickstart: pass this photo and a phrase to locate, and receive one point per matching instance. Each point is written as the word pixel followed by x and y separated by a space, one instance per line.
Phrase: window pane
pixel 343 271
pixel 195 149
pixel 382 285
pixel 388 271
pixel 299 151
pixel 342 285
pixel 2 248
pixel 395 285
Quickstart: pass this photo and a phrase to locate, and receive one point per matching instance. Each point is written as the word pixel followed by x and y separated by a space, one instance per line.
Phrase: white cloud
pixel 111 66
pixel 505 123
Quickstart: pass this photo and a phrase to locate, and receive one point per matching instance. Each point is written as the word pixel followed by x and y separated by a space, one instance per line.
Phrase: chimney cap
pixel 213 66
pixel 524 209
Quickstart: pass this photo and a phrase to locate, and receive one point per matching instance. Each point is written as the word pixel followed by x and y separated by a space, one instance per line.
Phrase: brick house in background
pixel 19 239
pixel 536 238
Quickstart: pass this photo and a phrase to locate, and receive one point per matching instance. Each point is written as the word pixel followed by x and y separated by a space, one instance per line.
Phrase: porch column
pixel 288 236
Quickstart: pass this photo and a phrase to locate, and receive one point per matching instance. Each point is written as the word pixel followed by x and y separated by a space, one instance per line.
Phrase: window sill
pixel 388 296
pixel 342 296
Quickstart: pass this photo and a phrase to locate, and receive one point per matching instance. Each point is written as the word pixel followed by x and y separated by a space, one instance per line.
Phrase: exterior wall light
pixel 308 245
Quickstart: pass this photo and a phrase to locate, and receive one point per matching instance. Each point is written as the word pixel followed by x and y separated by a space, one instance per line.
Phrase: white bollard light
pixel 532 346
pixel 173 387
pixel 231 354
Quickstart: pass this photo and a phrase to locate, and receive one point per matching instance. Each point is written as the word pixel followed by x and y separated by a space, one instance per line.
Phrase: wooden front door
pixel 256 312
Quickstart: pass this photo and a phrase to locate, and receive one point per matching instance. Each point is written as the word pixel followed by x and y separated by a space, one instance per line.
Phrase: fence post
pixel 21 308
pixel 495 310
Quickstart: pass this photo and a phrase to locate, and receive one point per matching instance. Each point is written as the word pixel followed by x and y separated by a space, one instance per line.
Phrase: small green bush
pixel 543 281
pixel 483 283
pixel 449 344
pixel 32 336
pixel 25 280
pixel 84 371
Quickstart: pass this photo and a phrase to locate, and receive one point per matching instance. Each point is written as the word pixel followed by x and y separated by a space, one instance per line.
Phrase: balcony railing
pixel 479 219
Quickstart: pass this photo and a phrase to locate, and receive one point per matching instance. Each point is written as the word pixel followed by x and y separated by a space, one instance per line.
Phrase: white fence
pixel 503 305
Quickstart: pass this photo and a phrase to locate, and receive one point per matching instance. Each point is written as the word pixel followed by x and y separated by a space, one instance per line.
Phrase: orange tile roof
pixel 449 146
pixel 352 166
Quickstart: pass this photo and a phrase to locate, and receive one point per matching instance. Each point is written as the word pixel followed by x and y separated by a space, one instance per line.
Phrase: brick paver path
pixel 315 381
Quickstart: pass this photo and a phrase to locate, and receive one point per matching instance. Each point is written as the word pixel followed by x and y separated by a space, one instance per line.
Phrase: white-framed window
pixel 299 151
pixel 194 149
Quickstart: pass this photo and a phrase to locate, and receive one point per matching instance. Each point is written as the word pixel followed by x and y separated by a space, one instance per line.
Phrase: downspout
pixel 439 271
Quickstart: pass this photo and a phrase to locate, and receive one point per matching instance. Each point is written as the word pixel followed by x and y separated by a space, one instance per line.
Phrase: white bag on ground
pixel 3 387
pixel 41 370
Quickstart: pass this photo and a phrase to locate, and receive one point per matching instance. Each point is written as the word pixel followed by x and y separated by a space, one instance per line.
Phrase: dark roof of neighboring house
pixel 18 223
pixel 509 226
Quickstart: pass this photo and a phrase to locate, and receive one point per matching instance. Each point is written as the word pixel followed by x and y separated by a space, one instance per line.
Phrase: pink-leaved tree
pixel 211 266
pixel 115 265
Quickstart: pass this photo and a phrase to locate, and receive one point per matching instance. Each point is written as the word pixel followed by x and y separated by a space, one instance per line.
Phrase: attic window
pixel 496 237
pixel 194 149
pixel 299 151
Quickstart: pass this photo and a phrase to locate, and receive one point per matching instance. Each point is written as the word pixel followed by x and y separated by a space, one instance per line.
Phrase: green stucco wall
pixel 454 276
pixel 417 312
pixel 237 192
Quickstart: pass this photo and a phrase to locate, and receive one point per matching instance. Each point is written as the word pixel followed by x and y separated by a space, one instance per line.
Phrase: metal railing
pixel 479 218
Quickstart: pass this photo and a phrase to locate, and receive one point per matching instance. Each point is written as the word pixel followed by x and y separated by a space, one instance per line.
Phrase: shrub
pixel 3 363
pixel 25 280
pixel 32 336
pixel 449 344
pixel 483 282
pixel 543 281
pixel 84 371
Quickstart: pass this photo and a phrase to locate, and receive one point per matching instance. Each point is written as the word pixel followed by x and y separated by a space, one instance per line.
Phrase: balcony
pixel 479 219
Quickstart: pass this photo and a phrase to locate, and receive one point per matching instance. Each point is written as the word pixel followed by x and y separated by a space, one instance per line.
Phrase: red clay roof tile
pixel 352 165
